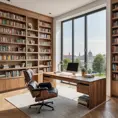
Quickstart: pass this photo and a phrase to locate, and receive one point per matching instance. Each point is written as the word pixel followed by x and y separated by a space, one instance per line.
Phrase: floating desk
pixel 94 87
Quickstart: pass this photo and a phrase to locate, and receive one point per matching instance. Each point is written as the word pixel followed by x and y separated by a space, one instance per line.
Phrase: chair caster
pixel 29 107
pixel 38 112
pixel 52 109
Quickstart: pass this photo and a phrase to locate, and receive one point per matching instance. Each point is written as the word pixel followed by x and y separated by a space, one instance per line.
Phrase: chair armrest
pixel 40 92
pixel 46 84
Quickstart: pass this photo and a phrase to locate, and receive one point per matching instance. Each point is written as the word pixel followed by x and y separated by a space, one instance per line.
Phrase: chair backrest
pixel 28 75
pixel 32 86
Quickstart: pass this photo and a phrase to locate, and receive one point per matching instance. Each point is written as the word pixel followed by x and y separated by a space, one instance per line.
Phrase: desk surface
pixel 71 77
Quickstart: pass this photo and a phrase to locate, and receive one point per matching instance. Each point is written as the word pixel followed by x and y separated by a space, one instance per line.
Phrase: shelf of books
pixel 114 48
pixel 25 42
pixel 12 44
pixel 45 46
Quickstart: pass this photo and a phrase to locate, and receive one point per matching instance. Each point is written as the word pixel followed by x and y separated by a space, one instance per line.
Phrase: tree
pixel 65 63
pixel 98 63
pixel 77 60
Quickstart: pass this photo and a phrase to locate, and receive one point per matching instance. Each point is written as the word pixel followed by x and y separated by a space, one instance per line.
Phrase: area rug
pixel 64 107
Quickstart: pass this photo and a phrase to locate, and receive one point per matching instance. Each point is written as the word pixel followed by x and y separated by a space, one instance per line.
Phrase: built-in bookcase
pixel 114 48
pixel 45 46
pixel 25 42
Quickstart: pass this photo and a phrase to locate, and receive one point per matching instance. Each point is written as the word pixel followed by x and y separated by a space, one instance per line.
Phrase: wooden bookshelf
pixel 25 42
pixel 114 48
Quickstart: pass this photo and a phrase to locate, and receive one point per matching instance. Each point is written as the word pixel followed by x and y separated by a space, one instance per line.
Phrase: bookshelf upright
pixel 114 48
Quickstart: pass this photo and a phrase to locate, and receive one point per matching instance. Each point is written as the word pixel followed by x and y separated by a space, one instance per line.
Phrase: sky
pixel 96 34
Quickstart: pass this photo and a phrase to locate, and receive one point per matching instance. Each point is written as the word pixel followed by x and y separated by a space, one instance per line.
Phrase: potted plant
pixel 83 71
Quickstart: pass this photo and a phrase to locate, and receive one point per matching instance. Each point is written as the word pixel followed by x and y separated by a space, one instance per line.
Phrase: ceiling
pixel 55 7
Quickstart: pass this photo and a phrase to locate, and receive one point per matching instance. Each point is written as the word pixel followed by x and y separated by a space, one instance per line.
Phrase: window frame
pixel 85 32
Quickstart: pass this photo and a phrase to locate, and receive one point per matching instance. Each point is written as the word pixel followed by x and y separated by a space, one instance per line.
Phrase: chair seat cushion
pixel 53 91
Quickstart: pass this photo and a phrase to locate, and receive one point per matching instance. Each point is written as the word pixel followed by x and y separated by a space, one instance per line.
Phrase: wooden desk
pixel 94 87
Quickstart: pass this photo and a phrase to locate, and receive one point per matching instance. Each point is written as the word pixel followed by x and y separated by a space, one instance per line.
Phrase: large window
pixel 96 37
pixel 67 43
pixel 84 41
pixel 79 36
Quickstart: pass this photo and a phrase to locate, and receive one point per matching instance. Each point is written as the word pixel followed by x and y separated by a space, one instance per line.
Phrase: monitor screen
pixel 72 67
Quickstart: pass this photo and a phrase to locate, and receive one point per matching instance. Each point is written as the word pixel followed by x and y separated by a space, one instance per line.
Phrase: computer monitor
pixel 73 67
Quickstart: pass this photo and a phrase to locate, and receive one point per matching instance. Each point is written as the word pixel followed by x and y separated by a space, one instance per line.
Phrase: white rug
pixel 65 105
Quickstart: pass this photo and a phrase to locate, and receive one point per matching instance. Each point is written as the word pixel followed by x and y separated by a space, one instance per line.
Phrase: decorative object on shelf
pixel 30 49
pixel 22 64
pixel 31 34
pixel 4 66
pixel 30 26
pixel 31 42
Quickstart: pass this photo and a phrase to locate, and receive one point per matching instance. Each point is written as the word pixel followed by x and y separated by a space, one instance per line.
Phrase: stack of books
pixel 84 100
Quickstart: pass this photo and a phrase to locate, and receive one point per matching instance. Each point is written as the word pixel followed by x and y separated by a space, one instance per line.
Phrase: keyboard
pixel 65 73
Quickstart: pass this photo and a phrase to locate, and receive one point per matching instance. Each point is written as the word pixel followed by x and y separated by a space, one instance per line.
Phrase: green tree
pixel 77 60
pixel 98 63
pixel 65 63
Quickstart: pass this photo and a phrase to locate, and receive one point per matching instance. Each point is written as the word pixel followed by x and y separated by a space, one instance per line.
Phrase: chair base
pixel 43 104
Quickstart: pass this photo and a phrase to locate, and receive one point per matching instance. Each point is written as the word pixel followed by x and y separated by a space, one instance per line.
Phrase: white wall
pixel 108 54
pixel 79 11
pixel 90 7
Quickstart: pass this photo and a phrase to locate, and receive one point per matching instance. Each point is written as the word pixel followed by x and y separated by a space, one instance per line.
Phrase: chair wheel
pixel 29 107
pixel 38 112
pixel 52 109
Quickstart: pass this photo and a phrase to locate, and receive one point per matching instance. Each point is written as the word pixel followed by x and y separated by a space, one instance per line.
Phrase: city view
pixel 94 63
pixel 91 36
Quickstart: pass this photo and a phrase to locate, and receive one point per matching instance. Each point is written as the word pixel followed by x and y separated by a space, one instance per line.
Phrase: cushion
pixel 33 85
pixel 28 75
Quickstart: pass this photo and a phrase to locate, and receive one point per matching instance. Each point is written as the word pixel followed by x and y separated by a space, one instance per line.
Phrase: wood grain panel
pixel 2 85
pixel 94 87
pixel 83 88
pixel 11 84
pixel 38 78
pixel 52 81
pixel 45 18
pixel 114 87
pixel 97 93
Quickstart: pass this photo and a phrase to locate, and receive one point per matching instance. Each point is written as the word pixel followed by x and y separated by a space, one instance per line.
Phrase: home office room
pixel 57 61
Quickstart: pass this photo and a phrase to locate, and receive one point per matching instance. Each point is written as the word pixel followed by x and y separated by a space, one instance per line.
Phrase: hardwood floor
pixel 7 110
pixel 107 110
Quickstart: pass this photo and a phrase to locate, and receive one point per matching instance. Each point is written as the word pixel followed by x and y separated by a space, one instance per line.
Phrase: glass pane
pixel 79 40
pixel 96 32
pixel 67 43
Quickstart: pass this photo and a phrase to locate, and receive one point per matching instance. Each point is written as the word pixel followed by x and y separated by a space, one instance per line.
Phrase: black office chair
pixel 28 75
pixel 40 91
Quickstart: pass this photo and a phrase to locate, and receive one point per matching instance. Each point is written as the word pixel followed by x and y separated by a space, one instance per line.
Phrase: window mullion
pixel 72 40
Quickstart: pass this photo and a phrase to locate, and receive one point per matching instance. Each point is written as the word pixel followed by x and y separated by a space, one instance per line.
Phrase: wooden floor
pixel 7 110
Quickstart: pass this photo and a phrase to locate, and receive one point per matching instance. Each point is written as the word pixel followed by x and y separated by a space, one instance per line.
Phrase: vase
pixel 83 74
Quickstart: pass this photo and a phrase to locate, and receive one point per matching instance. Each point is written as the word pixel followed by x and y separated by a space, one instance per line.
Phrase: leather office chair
pixel 40 92
pixel 28 75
